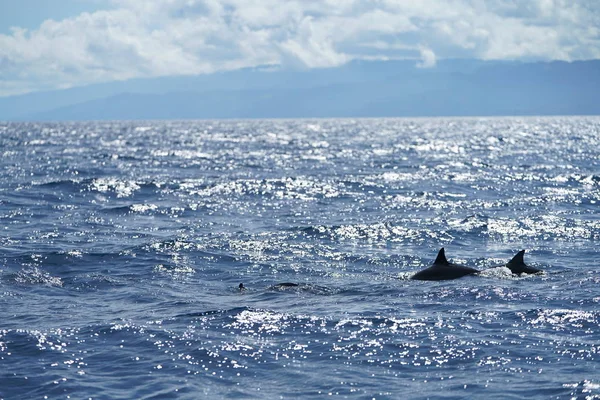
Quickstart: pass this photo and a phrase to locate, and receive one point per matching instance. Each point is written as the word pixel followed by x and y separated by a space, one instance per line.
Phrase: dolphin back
pixel 517 265
pixel 442 269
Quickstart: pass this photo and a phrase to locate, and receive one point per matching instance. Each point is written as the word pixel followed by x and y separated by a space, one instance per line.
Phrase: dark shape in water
pixel 294 287
pixel 283 286
pixel 279 286
pixel 517 265
pixel 301 287
pixel 441 270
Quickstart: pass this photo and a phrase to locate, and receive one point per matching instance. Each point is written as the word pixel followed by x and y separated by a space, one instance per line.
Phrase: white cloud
pixel 427 58
pixel 138 38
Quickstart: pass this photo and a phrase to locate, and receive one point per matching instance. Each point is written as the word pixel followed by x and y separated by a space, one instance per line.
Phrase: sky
pixel 53 44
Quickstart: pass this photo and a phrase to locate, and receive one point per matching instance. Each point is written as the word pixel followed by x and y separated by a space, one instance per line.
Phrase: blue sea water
pixel 122 245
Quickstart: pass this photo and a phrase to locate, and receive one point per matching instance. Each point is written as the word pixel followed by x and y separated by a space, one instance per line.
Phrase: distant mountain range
pixel 357 89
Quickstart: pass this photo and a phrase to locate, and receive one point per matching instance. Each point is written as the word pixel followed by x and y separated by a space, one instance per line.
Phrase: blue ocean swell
pixel 123 245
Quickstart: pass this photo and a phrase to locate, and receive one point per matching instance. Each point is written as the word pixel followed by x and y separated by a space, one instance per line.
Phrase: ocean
pixel 122 246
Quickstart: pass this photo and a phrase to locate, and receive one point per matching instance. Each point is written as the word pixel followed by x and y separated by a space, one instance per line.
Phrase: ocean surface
pixel 122 245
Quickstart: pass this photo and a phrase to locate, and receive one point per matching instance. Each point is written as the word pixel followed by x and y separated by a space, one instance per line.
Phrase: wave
pixel 32 275
pixel 121 187
pixel 69 185
pixel 302 288
pixel 134 208
pixel 199 249
pixel 379 232
pixel 298 188
pixel 230 311
pixel 583 179
pixel 60 258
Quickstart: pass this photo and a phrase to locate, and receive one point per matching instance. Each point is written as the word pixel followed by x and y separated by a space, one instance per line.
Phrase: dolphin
pixel 517 265
pixel 441 270
pixel 283 286
pixel 279 286
pixel 301 287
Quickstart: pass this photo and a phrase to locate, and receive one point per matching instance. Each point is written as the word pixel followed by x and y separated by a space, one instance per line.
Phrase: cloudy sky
pixel 47 44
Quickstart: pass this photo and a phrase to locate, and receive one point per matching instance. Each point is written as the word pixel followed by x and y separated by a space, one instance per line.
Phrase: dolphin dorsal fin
pixel 441 258
pixel 518 258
